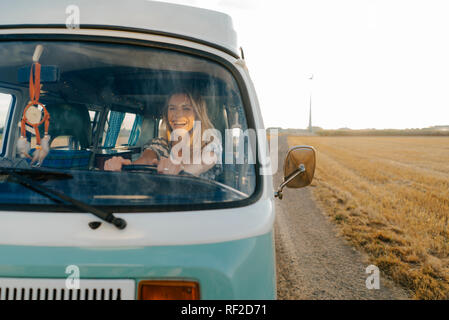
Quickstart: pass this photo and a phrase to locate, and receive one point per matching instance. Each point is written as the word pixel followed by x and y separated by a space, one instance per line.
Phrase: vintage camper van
pixel 95 203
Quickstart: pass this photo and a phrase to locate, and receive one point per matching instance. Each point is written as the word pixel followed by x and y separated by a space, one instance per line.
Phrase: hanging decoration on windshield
pixel 34 115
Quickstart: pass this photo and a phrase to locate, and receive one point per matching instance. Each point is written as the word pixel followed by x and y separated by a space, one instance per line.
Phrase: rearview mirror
pixel 299 168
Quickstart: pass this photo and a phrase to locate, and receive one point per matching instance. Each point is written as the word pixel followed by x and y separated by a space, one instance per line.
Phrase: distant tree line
pixel 431 131
pixel 384 132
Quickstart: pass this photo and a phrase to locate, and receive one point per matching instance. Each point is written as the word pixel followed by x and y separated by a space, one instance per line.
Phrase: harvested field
pixel 390 197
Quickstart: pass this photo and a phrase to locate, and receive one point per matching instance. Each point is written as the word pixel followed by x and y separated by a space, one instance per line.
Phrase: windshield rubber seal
pixel 126 29
pixel 255 196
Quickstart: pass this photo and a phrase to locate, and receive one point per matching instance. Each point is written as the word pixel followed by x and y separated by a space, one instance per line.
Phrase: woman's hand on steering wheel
pixel 166 166
pixel 116 163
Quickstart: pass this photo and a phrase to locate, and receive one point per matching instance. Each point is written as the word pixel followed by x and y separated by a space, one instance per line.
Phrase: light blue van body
pixel 228 251
pixel 241 269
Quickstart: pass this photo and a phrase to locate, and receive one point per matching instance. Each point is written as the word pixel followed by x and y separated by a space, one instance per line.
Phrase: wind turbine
pixel 310 104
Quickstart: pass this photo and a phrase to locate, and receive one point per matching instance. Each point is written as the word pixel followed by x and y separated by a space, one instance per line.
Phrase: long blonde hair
pixel 199 109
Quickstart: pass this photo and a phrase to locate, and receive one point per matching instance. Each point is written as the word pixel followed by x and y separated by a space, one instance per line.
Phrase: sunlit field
pixel 390 197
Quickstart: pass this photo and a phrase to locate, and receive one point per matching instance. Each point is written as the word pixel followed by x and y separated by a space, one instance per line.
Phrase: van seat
pixel 66 159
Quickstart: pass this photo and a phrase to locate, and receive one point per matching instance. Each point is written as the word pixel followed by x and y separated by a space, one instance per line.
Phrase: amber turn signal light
pixel 168 290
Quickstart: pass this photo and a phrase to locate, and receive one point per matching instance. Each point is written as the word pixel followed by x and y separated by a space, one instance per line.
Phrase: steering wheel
pixel 150 168
pixel 140 167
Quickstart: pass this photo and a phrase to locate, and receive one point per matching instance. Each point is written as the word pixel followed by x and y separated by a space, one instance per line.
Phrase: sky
pixel 375 64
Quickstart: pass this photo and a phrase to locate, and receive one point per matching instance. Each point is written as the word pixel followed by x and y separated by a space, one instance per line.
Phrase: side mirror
pixel 299 168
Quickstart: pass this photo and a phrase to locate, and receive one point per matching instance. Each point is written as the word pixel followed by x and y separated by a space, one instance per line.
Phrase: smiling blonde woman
pixel 183 112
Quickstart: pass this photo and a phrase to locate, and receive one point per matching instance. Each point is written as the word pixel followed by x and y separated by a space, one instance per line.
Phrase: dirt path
pixel 313 262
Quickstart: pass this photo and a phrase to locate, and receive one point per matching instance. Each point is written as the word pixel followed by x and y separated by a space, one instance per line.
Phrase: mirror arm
pixel 301 169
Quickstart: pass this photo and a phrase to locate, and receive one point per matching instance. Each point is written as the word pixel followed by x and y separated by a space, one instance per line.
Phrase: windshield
pixel 134 126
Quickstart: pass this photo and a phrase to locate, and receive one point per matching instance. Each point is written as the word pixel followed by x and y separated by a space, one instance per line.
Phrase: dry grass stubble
pixel 390 197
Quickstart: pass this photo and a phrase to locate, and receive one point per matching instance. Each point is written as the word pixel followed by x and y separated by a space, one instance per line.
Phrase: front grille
pixel 55 289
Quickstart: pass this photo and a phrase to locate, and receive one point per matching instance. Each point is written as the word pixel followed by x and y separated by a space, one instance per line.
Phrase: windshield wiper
pixel 20 176
pixel 35 174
